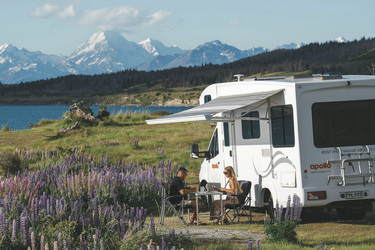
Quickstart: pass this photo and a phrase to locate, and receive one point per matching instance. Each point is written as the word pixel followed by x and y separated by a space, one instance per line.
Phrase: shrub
pixel 282 228
pixel 10 164
pixel 103 113
pixel 5 128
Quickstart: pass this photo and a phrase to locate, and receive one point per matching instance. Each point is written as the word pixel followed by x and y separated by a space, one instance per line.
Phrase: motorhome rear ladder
pixel 347 160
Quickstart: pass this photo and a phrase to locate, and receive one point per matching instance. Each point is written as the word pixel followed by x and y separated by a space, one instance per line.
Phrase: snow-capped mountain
pixel 21 65
pixel 340 39
pixel 290 46
pixel 156 48
pixel 214 52
pixel 109 51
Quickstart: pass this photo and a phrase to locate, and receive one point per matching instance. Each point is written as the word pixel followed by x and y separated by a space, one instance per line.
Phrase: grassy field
pixel 127 137
pixel 124 136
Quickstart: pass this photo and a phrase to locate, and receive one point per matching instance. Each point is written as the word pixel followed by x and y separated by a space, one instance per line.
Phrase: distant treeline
pixel 354 57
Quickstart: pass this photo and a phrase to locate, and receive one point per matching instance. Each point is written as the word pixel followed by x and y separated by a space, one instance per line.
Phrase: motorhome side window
pixel 347 123
pixel 214 146
pixel 282 126
pixel 207 98
pixel 250 128
pixel 226 134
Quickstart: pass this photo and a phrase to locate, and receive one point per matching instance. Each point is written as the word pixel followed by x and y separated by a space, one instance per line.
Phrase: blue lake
pixel 20 117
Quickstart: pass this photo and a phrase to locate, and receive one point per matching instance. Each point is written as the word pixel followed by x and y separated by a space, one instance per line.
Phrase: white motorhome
pixel 309 136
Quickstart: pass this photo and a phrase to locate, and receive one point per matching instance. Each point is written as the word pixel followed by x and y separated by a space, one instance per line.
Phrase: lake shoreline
pixel 19 117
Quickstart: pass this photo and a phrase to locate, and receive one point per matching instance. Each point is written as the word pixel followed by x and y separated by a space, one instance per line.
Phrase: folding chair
pixel 243 207
pixel 178 209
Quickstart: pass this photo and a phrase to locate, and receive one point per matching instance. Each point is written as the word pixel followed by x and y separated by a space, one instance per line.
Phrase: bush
pixel 5 128
pixel 10 164
pixel 282 228
pixel 103 113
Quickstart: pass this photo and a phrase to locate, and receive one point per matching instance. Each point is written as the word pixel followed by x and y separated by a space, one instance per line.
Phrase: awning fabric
pixel 221 104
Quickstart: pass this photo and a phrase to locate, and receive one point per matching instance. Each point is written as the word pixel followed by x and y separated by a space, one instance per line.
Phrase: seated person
pixel 233 188
pixel 178 188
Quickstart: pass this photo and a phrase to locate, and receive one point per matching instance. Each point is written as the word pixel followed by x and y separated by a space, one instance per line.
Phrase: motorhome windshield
pixel 347 123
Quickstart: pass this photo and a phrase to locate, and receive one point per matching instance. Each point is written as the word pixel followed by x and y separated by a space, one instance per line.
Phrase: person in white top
pixel 231 187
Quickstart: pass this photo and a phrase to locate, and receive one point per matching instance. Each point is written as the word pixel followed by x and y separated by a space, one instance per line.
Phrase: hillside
pixel 186 83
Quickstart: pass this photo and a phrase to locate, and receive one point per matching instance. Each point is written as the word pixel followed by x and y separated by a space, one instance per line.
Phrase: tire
pixel 270 207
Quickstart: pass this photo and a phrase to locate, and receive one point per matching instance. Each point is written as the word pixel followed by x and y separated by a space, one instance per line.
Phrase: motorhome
pixel 308 136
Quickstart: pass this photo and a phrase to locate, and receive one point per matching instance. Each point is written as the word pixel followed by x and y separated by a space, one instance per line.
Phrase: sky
pixel 60 26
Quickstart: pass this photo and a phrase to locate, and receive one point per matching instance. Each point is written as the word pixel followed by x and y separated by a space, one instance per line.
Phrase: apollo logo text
pixel 320 166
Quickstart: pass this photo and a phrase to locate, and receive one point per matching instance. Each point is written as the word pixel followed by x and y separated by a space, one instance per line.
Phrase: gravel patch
pixel 237 236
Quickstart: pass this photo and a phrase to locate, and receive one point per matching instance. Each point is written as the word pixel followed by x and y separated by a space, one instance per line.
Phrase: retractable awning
pixel 206 111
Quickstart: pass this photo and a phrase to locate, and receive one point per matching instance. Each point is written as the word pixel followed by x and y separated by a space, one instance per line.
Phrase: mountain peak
pixel 156 48
pixel 341 39
pixel 147 40
pixel 6 46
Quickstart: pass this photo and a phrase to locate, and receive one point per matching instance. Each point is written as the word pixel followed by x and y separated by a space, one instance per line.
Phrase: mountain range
pixel 109 51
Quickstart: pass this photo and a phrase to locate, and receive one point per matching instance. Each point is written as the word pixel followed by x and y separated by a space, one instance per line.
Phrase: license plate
pixel 353 195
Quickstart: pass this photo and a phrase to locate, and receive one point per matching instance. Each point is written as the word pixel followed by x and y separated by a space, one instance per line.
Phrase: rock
pixel 81 111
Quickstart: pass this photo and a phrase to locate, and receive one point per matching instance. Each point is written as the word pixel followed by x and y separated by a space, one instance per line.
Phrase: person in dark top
pixel 178 188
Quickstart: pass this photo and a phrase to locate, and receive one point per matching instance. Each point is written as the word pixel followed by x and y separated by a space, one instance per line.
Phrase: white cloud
pixel 157 17
pixel 52 11
pixel 67 12
pixel 233 23
pixel 114 18
pixel 122 18
pixel 48 10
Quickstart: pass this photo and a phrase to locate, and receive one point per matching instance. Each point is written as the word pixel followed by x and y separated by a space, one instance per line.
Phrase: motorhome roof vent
pixel 239 77
pixel 327 76
pixel 296 77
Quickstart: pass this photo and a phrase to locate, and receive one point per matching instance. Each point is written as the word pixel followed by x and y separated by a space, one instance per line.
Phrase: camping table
pixel 197 194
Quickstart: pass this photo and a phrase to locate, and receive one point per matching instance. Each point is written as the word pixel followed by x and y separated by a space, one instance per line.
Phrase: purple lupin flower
pixel 250 245
pixel 32 237
pixel 41 241
pixel 152 225
pixel 172 235
pixel 257 245
pixel 96 211
pixel 6 227
pixel 59 239
pixel 287 211
pixel 97 234
pixel 2 226
pixel 277 210
pixel 14 230
pixel 280 214
pixel 24 229
pixel 163 245
pixel 101 244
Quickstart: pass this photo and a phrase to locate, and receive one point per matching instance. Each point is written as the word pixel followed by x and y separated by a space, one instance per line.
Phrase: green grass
pixel 115 138
pixel 334 233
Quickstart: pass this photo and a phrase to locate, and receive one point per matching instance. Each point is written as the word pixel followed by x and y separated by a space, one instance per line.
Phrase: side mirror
pixel 194 151
pixel 195 154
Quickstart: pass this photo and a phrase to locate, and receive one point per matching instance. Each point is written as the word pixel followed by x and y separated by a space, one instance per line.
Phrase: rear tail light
pixel 317 195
